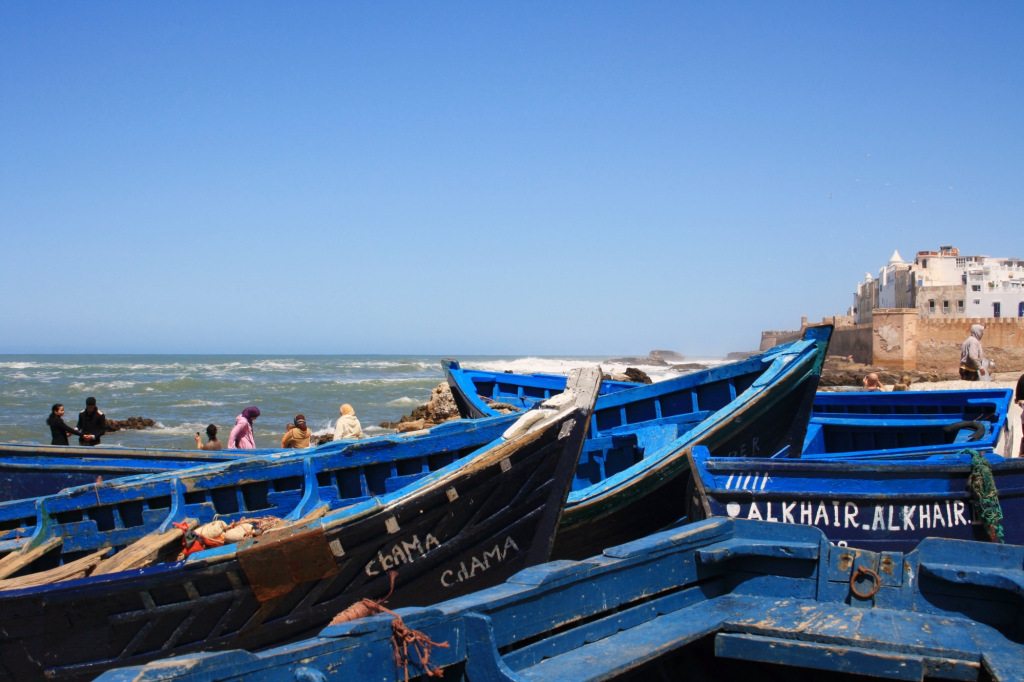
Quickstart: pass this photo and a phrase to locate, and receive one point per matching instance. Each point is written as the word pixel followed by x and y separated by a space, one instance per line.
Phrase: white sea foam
pixel 281 365
pixel 18 365
pixel 562 366
pixel 101 385
pixel 404 401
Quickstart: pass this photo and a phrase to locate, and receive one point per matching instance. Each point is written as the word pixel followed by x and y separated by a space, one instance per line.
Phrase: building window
pixel 996 309
pixel 975 287
pixel 959 306
pixel 977 301
pixel 1020 309
pixel 945 307
pixel 931 307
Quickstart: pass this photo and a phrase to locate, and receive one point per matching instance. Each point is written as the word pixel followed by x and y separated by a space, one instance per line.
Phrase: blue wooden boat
pixel 632 477
pixel 877 424
pixel 880 504
pixel 358 469
pixel 467 525
pixel 31 470
pixel 641 432
pixel 718 600
pixel 865 423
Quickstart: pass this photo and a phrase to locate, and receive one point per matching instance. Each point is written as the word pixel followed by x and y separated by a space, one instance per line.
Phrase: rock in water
pixel 131 423
pixel 441 408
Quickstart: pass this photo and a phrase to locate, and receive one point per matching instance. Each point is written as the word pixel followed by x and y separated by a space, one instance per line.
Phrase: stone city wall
pixel 899 339
pixel 903 340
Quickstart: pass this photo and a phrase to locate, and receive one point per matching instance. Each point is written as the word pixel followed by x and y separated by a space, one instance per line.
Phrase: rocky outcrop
pixel 130 423
pixel 439 409
pixel 668 355
pixel 688 367
pixel 841 372
pixel 634 375
pixel 650 360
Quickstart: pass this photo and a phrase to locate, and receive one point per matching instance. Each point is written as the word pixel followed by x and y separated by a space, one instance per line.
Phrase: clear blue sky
pixel 519 177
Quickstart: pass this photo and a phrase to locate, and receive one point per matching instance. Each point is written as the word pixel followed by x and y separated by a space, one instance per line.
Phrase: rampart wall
pixel 899 339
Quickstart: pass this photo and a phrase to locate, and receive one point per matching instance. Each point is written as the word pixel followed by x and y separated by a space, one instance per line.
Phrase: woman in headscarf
pixel 241 437
pixel 58 429
pixel 298 435
pixel 347 425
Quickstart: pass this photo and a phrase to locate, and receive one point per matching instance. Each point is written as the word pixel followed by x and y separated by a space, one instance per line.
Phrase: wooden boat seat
pixel 746 627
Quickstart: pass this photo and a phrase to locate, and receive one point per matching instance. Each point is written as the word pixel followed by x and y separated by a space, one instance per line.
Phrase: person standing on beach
pixel 211 439
pixel 348 425
pixel 298 435
pixel 241 437
pixel 59 430
pixel 971 355
pixel 91 423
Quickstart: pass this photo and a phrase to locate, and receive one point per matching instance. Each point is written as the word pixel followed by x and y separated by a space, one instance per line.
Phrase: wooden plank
pixel 14 562
pixel 145 551
pixel 76 569
pixel 831 657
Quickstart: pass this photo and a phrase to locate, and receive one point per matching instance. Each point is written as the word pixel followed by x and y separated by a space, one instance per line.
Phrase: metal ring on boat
pixel 859 571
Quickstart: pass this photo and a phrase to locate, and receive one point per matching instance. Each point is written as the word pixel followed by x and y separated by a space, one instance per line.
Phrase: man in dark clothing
pixel 91 423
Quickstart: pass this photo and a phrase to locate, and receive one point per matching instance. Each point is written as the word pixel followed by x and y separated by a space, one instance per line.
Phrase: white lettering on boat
pixel 477 565
pixel 888 518
pixel 402 552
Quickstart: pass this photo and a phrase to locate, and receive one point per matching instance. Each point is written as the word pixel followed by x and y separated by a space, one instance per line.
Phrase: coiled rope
pixel 984 496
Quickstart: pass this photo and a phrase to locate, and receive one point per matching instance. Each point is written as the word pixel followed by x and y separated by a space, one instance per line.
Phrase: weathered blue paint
pixel 722 598
pixel 877 504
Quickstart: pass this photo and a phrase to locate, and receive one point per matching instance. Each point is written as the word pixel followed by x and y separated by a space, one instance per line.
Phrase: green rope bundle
pixel 985 497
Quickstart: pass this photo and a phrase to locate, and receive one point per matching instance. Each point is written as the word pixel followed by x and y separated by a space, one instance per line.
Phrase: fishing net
pixel 984 496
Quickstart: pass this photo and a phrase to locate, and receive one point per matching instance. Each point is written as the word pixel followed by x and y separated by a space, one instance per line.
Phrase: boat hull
pixel 467 526
pixel 877 505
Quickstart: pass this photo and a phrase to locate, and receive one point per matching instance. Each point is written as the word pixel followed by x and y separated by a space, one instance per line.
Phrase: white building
pixel 945 284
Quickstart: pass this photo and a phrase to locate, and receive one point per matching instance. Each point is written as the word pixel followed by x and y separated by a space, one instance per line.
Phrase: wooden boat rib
pixel 471 524
pixel 717 600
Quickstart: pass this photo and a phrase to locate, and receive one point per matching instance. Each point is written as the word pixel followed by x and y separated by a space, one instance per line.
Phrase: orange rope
pixel 402 636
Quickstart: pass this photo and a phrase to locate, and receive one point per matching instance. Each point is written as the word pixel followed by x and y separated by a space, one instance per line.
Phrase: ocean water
pixel 184 393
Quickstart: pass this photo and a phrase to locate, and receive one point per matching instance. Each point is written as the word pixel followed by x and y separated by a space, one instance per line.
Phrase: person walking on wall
pixel 971 355
pixel 91 423
pixel 241 437
pixel 59 430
